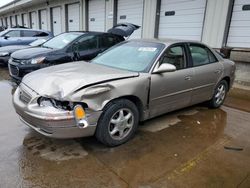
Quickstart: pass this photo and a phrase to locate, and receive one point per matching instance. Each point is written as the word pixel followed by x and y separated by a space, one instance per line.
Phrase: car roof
pixel 167 41
pixel 27 29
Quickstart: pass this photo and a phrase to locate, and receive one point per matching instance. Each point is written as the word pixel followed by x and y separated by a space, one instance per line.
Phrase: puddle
pixel 52 149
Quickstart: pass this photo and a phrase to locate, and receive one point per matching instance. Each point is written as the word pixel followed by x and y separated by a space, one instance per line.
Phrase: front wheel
pixel 118 123
pixel 219 96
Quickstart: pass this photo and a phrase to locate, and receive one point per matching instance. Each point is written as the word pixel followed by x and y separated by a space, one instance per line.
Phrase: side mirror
pixel 6 36
pixel 165 67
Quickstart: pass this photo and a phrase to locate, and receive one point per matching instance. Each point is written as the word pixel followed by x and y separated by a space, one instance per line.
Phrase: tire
pixel 219 95
pixel 118 123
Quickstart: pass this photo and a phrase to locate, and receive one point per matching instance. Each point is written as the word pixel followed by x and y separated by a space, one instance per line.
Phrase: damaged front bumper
pixel 51 121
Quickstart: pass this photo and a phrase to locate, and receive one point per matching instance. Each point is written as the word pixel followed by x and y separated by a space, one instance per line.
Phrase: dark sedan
pixel 67 47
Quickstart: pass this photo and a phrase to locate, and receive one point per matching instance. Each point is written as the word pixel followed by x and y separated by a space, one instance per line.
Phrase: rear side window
pixel 108 41
pixel 41 34
pixel 201 55
pixel 88 43
pixel 14 33
pixel 29 33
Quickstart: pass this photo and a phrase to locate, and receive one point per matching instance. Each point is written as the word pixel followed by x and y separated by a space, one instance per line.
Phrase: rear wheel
pixel 118 123
pixel 219 95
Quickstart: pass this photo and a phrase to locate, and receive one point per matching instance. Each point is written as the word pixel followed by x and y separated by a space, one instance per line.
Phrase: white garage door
pixel 73 17
pixel 56 20
pixel 25 20
pixel 43 19
pixel 131 11
pixel 13 21
pixel 8 22
pixel 239 31
pixel 96 15
pixel 182 19
pixel 19 19
pixel 33 20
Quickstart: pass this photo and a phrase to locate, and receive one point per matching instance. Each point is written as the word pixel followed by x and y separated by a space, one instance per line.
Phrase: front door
pixel 171 90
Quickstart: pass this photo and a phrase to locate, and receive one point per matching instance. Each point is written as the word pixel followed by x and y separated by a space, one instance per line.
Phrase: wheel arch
pixel 136 100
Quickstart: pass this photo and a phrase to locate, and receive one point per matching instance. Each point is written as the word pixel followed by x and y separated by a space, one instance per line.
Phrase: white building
pixel 217 23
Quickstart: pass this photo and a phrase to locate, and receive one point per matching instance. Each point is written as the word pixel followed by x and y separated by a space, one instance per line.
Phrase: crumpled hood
pixel 61 81
pixel 31 53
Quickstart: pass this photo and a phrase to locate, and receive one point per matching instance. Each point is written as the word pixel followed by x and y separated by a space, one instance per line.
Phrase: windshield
pixel 133 56
pixel 37 42
pixel 61 41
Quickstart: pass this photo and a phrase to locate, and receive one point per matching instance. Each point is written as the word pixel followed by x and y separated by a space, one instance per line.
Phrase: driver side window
pixel 14 33
pixel 88 43
pixel 176 56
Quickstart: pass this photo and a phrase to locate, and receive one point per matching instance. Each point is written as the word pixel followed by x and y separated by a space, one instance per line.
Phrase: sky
pixel 3 2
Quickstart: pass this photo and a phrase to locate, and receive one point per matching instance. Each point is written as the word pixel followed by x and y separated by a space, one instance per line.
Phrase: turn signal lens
pixel 79 112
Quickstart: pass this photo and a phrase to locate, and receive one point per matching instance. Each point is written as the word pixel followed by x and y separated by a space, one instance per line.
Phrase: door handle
pixel 188 77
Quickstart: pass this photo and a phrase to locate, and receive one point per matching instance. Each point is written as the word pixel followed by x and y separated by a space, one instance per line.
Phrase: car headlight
pixel 37 60
pixel 64 105
pixel 2 54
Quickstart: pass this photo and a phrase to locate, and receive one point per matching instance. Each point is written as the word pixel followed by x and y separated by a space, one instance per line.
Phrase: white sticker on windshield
pixel 65 41
pixel 147 49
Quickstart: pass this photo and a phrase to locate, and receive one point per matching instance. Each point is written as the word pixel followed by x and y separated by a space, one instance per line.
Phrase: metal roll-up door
pixel 182 19
pixel 43 19
pixel 73 17
pixel 239 31
pixel 8 22
pixel 25 20
pixel 131 11
pixel 19 19
pixel 56 20
pixel 96 15
pixel 33 20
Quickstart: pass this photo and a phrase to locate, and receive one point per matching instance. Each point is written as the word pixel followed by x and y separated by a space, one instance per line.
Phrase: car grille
pixel 24 96
pixel 13 70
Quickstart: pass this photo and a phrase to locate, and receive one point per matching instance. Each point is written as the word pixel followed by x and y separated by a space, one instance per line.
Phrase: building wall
pixel 213 28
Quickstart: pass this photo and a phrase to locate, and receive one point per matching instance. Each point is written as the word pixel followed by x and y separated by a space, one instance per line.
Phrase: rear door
pixel 172 90
pixel 207 72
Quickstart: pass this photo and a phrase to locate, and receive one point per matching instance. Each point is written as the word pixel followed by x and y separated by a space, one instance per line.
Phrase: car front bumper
pixel 50 121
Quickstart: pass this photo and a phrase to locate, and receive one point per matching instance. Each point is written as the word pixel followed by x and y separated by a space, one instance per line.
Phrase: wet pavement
pixel 194 147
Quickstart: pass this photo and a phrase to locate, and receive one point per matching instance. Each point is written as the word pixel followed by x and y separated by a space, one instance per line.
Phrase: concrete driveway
pixel 194 147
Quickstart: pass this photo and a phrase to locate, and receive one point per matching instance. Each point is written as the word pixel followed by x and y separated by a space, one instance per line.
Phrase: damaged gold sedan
pixel 132 82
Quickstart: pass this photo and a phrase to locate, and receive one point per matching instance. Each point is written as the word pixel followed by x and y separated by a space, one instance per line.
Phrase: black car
pixel 6 51
pixel 67 47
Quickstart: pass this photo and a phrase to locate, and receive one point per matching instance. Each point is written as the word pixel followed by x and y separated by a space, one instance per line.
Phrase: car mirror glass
pixel 165 67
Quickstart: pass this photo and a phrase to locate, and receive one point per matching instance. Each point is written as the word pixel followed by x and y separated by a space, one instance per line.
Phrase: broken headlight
pixel 65 105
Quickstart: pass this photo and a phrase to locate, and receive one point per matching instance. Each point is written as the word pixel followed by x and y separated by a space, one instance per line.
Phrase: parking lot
pixel 194 147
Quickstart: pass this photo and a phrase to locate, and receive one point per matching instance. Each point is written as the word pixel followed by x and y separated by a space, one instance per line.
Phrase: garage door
pixel 19 19
pixel 13 21
pixel 56 20
pixel 25 20
pixel 96 15
pixel 73 19
pixel 33 20
pixel 8 22
pixel 182 19
pixel 43 19
pixel 131 11
pixel 239 31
